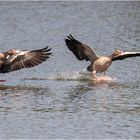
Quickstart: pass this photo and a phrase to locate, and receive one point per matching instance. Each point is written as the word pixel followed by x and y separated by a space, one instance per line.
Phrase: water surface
pixel 57 99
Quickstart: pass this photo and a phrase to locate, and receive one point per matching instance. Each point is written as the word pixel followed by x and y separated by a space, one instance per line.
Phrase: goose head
pixel 12 52
pixel 116 53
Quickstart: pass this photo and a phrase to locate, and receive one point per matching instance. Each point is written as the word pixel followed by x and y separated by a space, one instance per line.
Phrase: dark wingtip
pixel 46 49
pixel 70 40
pixel 49 53
pixel 70 37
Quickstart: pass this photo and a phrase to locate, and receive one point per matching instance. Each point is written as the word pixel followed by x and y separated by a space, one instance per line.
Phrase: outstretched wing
pixel 80 50
pixel 25 59
pixel 125 55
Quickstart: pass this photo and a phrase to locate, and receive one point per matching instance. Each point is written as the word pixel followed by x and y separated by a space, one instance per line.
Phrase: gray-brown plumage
pixel 124 55
pixel 13 60
pixel 98 63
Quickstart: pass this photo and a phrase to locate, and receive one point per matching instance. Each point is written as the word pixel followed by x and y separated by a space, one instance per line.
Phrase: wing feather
pixel 25 59
pixel 80 50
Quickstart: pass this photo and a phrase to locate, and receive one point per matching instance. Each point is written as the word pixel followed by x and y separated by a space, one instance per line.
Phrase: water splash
pixel 75 76
pixel 103 79
pixel 82 76
pixel 69 76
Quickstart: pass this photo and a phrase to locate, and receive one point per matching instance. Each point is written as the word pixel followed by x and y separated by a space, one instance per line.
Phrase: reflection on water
pixel 19 88
pixel 58 99
pixel 105 103
pixel 106 107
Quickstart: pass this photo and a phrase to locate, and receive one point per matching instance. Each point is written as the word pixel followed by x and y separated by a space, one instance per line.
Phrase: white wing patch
pixel 10 58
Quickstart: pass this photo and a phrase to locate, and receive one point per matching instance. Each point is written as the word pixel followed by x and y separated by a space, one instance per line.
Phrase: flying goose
pixel 98 63
pixel 13 60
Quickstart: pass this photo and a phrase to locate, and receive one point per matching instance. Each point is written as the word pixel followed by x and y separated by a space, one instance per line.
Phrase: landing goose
pixel 98 63
pixel 13 60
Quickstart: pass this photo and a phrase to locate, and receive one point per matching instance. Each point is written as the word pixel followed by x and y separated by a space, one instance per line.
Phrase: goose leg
pixel 94 74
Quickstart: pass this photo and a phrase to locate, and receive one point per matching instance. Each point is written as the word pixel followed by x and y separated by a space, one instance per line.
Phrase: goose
pixel 98 64
pixel 13 60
